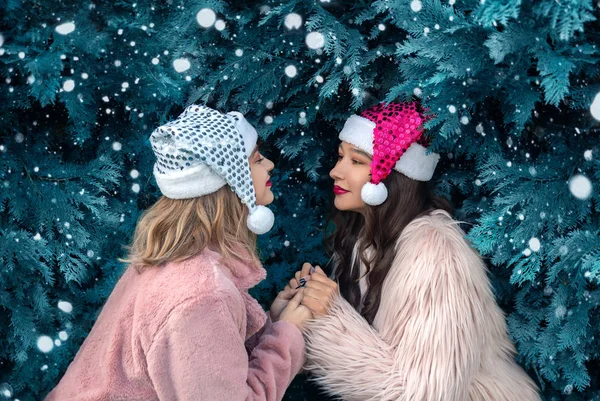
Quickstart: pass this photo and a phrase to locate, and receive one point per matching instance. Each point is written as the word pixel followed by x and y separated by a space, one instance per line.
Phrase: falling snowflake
pixel 45 344
pixel 181 64
pixel 595 107
pixel 291 71
pixel 66 28
pixel 315 40
pixel 416 5
pixel 580 186
pixel 293 21
pixel 6 390
pixel 534 244
pixel 220 25
pixel 65 306
pixel 68 85
pixel 206 17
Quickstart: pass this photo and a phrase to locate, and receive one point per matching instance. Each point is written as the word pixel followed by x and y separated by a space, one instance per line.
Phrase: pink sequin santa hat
pixel 393 135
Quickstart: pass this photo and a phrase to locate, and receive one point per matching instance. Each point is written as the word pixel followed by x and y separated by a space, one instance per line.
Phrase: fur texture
pixel 185 331
pixel 438 335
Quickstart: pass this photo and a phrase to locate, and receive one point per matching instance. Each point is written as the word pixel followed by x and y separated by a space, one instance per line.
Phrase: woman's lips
pixel 339 190
pixel 269 183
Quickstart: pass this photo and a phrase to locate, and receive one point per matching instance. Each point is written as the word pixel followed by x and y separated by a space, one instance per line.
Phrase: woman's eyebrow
pixel 254 151
pixel 362 153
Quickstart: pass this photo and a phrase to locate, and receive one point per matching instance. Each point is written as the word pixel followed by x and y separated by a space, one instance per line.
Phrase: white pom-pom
pixel 374 194
pixel 261 220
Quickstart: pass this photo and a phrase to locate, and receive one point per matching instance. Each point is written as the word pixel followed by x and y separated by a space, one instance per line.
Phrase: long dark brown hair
pixel 379 228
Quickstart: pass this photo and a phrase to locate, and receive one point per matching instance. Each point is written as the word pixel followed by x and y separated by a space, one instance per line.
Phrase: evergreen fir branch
pixel 555 71
pixel 567 16
pixel 515 38
pixel 490 13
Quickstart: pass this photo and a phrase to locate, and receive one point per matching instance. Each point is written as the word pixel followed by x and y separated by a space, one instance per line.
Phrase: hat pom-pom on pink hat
pixel 374 194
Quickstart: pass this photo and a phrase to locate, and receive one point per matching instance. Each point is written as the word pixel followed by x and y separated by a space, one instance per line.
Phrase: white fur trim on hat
pixel 189 183
pixel 358 131
pixel 374 194
pixel 417 163
pixel 247 130
pixel 260 220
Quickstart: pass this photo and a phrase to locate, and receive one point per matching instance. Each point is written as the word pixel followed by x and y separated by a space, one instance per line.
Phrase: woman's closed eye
pixel 354 161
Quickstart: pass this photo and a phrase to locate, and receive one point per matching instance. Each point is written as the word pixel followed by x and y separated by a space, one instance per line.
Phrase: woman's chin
pixel 266 199
pixel 344 206
pixel 340 204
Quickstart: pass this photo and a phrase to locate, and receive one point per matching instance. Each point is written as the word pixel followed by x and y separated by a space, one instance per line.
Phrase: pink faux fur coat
pixel 438 335
pixel 182 332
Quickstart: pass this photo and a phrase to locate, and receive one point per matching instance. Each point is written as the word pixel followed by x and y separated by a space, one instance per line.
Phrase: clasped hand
pixel 314 289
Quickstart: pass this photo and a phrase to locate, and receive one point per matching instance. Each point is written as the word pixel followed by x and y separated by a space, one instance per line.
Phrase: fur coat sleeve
pixel 199 354
pixel 427 338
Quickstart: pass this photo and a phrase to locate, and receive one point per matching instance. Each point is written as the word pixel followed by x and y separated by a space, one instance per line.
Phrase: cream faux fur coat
pixel 438 335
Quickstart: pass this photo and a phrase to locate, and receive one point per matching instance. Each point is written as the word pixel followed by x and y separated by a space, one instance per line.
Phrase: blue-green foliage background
pixel 510 82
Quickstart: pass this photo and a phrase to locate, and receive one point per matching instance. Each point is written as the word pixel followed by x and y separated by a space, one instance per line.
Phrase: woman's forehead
pixel 353 148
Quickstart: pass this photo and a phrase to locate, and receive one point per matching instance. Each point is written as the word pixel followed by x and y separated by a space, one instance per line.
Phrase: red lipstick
pixel 269 183
pixel 339 190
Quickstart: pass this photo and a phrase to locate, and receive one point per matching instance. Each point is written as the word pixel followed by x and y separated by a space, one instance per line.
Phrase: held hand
pixel 282 300
pixel 302 276
pixel 319 292
pixel 289 291
pixel 296 313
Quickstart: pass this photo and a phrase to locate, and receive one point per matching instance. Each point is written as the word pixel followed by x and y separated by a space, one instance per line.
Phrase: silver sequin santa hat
pixel 203 150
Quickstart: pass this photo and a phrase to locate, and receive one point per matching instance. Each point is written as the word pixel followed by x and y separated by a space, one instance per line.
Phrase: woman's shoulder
pixel 195 280
pixel 433 227
pixel 435 219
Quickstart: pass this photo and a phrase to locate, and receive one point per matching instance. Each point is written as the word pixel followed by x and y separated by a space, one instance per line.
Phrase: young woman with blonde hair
pixel 410 313
pixel 180 324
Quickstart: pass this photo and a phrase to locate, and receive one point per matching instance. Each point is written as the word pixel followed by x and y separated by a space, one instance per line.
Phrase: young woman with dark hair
pixel 409 313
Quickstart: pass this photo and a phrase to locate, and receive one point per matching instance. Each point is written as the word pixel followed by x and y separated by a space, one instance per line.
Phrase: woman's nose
pixel 336 172
pixel 270 164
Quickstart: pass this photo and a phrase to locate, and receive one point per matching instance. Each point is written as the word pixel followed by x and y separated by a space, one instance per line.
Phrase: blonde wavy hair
pixel 173 230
